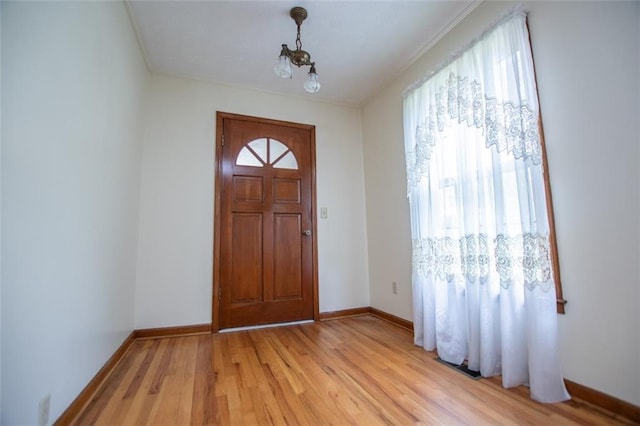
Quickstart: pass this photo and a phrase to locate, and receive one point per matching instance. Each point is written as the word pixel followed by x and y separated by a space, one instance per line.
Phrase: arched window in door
pixel 267 151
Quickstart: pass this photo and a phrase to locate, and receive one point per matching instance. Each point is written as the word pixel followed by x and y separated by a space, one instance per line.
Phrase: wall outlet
pixel 43 410
pixel 394 287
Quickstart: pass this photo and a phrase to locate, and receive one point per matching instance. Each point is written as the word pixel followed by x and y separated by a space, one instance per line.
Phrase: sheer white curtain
pixel 483 286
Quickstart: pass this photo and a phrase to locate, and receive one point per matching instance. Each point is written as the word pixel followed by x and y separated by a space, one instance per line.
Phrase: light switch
pixel 323 212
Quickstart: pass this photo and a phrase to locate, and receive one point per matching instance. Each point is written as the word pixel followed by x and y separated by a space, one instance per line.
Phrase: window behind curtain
pixel 483 283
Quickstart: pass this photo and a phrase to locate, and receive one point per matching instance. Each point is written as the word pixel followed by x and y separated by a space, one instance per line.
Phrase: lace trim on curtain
pixel 508 127
pixel 523 257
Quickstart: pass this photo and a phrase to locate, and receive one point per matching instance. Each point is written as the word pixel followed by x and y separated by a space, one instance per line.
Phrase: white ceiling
pixel 358 46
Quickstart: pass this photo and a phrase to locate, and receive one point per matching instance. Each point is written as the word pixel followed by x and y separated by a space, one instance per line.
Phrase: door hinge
pixel 223 139
pixel 219 293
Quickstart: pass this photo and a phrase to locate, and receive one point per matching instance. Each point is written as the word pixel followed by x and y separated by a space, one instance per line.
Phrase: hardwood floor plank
pixel 141 374
pixel 205 402
pixel 105 394
pixel 137 393
pixel 357 370
pixel 116 402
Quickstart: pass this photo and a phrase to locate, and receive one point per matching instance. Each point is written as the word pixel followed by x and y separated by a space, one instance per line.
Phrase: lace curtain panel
pixel 483 285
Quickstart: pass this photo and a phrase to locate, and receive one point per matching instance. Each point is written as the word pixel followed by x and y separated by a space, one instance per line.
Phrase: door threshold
pixel 255 327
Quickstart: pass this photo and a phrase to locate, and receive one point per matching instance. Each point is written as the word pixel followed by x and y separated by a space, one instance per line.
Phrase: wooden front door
pixel 265 233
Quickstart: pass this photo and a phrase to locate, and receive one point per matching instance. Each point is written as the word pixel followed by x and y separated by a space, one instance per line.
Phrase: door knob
pixel 306 232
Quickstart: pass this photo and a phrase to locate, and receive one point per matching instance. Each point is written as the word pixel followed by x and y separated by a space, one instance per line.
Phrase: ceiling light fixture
pixel 297 57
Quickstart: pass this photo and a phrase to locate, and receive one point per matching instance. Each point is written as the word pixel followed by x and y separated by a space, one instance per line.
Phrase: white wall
pixel 587 58
pixel 175 251
pixel 73 86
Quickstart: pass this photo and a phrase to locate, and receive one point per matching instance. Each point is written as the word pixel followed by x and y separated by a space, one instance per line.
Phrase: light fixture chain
pixel 298 41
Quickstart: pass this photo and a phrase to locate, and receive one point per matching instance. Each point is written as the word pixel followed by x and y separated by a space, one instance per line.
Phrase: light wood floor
pixel 358 370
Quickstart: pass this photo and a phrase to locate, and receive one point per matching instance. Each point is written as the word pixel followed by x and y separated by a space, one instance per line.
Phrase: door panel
pixel 246 258
pixel 248 188
pixel 265 269
pixel 287 268
pixel 286 190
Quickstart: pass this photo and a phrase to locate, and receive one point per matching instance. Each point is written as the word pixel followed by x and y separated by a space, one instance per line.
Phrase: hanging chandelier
pixel 297 57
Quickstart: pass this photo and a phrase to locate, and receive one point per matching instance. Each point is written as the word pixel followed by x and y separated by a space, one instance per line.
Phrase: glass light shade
pixel 312 85
pixel 283 67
